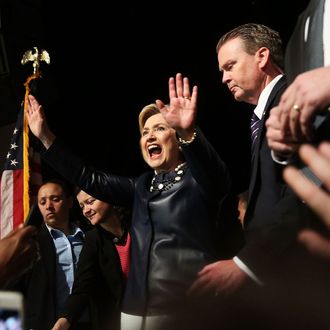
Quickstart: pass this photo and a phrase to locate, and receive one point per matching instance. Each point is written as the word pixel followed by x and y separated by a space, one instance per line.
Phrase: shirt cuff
pixel 247 270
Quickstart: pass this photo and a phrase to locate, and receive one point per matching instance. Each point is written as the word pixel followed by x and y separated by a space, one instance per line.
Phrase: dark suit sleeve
pixel 207 166
pixel 85 280
pixel 105 186
pixel 273 251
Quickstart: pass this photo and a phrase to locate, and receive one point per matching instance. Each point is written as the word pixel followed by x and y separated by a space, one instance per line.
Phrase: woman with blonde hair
pixel 174 206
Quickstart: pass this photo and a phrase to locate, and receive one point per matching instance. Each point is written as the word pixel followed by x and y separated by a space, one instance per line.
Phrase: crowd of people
pixel 151 258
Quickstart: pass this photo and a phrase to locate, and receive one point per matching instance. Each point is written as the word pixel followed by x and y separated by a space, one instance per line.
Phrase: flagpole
pixel 35 56
pixel 21 175
pixel 26 165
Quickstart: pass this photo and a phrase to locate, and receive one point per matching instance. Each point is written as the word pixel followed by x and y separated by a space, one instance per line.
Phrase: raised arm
pixel 37 122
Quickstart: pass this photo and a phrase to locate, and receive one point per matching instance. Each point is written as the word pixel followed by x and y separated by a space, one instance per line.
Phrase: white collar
pixel 263 98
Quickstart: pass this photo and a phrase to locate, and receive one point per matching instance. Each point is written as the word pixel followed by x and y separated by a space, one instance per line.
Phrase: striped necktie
pixel 255 125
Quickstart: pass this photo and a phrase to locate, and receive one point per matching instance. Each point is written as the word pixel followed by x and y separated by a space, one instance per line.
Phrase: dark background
pixel 110 59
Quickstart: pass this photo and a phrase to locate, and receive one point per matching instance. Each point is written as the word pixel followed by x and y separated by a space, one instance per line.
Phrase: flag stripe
pixel 18 211
pixel 6 211
pixel 20 179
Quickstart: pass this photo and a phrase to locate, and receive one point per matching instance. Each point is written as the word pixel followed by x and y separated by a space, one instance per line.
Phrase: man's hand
pixel 18 251
pixel 219 278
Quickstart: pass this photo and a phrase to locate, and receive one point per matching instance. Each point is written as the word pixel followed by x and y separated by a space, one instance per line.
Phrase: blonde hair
pixel 148 111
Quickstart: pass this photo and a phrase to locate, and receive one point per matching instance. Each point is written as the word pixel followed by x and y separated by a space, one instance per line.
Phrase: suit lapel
pixel 271 102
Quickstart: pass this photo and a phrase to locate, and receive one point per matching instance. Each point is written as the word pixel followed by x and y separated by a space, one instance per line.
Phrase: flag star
pixel 13 146
pixel 13 162
pixel 13 197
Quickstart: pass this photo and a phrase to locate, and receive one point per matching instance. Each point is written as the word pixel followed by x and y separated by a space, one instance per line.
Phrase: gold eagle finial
pixel 36 57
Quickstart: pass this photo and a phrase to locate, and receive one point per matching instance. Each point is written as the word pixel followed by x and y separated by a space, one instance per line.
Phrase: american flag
pixel 20 178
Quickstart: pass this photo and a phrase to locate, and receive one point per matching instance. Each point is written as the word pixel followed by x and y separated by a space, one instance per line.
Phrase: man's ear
pixel 263 55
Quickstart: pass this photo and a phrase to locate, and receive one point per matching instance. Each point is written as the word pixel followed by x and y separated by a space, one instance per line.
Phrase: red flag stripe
pixel 18 211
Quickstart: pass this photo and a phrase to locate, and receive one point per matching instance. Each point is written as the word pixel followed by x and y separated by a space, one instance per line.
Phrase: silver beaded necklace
pixel 166 181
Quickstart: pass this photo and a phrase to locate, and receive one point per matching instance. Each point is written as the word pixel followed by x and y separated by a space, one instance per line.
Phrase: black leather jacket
pixel 172 231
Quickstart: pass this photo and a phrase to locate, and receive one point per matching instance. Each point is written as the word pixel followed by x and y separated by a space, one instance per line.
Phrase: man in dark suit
pixel 251 60
pixel 49 282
